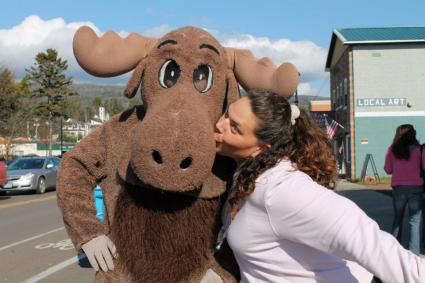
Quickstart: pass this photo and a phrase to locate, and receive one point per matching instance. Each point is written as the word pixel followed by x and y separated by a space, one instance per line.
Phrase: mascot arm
pixel 81 169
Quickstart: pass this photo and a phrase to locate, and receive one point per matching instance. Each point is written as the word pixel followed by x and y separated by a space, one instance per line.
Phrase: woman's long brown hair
pixel 404 138
pixel 304 143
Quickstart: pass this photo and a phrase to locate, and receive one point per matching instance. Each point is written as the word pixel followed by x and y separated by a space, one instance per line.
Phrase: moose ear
pixel 232 90
pixel 135 80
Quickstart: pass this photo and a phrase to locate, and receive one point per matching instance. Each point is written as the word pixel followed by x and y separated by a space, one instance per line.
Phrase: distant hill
pixel 89 91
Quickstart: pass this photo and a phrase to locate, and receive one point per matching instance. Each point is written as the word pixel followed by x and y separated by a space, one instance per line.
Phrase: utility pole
pixel 36 125
pixel 50 125
pixel 28 130
pixel 61 134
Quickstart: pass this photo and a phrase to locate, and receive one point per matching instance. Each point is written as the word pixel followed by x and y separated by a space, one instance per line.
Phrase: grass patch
pixel 382 182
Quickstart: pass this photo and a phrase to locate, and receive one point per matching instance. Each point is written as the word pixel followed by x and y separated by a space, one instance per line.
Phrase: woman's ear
pixel 260 148
pixel 232 90
pixel 266 146
pixel 135 81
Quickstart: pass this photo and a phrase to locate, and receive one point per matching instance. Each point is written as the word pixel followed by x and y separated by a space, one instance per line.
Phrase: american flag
pixel 331 127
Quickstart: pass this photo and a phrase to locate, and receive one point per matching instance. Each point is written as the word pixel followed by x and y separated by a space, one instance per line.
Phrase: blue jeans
pixel 412 197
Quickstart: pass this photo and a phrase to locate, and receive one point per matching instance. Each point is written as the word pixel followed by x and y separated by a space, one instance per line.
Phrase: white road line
pixel 55 268
pixel 32 238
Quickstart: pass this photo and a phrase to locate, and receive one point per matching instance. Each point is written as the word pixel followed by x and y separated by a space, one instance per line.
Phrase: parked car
pixel 32 174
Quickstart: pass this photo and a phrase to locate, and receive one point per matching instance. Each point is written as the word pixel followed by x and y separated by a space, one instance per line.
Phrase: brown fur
pixel 154 229
pixel 95 160
pixel 166 219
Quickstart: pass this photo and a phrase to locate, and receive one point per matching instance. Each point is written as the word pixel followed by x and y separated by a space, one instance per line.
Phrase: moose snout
pixel 173 149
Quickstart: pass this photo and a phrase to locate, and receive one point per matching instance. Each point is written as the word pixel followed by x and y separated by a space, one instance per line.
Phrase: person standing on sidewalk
pixel 403 161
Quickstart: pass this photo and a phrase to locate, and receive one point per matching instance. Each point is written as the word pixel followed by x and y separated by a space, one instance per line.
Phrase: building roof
pixel 320 106
pixel 382 35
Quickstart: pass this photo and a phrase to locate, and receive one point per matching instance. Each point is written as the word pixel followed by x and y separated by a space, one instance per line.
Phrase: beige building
pixel 377 82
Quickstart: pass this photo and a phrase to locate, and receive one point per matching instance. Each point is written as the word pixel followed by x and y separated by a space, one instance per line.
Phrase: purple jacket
pixel 405 172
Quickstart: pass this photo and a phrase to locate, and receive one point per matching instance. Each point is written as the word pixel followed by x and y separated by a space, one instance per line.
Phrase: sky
pixel 285 31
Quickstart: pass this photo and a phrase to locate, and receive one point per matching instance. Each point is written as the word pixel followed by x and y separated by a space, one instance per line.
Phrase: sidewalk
pixel 375 204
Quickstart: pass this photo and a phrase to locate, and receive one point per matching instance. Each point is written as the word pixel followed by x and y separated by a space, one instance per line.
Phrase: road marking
pixel 18 203
pixel 62 245
pixel 32 238
pixel 55 268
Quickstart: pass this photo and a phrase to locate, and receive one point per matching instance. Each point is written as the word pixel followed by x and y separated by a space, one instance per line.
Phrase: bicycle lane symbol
pixel 62 245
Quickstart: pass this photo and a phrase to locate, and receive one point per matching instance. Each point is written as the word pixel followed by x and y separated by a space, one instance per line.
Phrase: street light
pixel 296 97
pixel 296 92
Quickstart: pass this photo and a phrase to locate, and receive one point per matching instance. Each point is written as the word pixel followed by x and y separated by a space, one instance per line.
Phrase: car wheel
pixel 41 186
pixel 2 193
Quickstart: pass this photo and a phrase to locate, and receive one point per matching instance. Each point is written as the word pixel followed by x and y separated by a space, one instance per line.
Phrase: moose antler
pixel 253 74
pixel 109 55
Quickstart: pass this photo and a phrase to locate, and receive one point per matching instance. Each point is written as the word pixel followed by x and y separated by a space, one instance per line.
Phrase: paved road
pixel 34 246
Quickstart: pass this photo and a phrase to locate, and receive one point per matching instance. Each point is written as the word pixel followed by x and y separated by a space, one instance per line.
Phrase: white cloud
pixel 305 55
pixel 304 88
pixel 20 44
pixel 157 32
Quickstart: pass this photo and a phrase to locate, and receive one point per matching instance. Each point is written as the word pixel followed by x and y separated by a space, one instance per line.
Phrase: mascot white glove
pixel 99 252
pixel 211 277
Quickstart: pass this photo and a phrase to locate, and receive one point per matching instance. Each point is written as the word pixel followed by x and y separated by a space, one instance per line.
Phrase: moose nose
pixel 156 156
pixel 184 164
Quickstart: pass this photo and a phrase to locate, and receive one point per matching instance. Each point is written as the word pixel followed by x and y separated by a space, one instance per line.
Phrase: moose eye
pixel 169 74
pixel 202 78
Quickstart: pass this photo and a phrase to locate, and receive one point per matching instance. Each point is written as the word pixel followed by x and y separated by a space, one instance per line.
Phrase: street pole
pixel 296 97
pixel 61 135
pixel 50 127
pixel 296 93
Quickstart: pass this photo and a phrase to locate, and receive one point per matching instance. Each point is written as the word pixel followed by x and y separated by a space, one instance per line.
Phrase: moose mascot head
pixel 163 183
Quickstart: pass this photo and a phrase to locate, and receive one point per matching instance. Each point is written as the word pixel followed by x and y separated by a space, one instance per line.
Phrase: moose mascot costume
pixel 162 182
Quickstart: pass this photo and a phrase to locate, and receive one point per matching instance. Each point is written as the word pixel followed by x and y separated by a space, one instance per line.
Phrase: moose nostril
pixel 185 164
pixel 157 156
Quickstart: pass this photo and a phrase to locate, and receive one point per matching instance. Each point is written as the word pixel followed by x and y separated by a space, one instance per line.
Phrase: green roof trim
pixel 377 35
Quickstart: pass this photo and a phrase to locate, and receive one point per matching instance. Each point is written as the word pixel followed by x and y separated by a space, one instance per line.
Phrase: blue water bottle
pixel 98 202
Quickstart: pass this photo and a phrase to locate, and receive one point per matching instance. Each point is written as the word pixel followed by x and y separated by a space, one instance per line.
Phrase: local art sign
pixel 366 102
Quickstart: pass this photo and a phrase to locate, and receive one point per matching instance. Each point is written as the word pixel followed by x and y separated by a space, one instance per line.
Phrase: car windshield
pixel 22 164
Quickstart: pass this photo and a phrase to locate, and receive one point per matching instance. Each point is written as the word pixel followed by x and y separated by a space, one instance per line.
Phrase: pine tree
pixel 50 86
pixel 114 106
